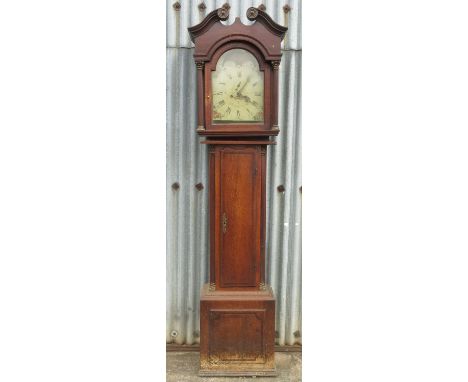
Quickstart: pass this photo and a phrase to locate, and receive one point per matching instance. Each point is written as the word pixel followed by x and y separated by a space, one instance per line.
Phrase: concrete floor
pixel 183 367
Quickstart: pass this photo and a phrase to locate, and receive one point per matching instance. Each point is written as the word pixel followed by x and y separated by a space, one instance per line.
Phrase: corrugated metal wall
pixel 187 177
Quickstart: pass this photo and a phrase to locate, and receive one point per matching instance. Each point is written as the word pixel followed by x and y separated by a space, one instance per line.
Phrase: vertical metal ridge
pixel 190 112
pixel 286 254
pixel 296 295
pixel 282 206
pixel 292 184
pixel 182 209
pixel 172 209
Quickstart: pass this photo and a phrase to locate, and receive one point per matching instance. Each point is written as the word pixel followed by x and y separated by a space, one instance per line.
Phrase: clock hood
pixel 211 34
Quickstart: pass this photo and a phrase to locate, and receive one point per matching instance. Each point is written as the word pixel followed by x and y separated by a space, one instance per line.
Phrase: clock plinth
pixel 237 333
pixel 237 79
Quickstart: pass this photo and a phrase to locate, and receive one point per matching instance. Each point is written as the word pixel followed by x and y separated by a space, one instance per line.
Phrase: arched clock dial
pixel 237 88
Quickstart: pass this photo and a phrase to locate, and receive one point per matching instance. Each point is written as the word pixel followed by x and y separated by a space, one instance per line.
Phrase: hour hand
pixel 241 96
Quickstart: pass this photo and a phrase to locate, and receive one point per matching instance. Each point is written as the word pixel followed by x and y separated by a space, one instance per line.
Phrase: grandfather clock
pixel 237 72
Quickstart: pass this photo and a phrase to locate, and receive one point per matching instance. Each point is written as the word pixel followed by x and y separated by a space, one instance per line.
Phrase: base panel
pixel 237 333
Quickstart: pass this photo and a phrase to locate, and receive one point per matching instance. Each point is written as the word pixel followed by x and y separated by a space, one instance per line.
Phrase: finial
pixel 252 13
pixel 223 12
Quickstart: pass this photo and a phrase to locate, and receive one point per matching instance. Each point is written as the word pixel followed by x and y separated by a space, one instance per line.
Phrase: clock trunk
pixel 237 195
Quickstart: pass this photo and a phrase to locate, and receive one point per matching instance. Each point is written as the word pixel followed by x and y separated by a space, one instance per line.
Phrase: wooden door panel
pixel 237 335
pixel 239 217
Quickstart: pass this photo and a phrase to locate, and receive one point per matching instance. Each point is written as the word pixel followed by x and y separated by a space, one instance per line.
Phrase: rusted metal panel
pixel 187 180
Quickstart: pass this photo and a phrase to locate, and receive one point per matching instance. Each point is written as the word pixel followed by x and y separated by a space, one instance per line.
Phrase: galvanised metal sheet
pixel 187 182
pixel 190 14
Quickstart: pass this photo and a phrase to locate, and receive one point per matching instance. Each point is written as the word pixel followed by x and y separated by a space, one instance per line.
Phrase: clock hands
pixel 237 94
pixel 243 86
pixel 237 87
pixel 245 98
pixel 235 104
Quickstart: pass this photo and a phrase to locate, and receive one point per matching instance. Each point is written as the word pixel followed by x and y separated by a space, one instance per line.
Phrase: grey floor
pixel 183 367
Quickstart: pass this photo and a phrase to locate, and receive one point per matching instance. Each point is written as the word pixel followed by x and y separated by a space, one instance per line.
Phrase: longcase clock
pixel 237 80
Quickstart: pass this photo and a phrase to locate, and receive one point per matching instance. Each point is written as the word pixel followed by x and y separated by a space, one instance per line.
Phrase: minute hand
pixel 243 86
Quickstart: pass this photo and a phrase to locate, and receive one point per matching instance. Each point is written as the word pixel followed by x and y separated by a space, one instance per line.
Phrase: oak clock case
pixel 237 90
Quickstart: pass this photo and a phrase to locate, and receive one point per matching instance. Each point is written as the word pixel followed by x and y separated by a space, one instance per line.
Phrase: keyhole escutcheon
pixel 225 222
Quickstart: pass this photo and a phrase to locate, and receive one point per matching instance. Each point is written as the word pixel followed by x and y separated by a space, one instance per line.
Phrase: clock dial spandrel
pixel 237 88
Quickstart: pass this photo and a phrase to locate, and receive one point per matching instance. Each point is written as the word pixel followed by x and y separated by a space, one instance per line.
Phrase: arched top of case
pixel 211 34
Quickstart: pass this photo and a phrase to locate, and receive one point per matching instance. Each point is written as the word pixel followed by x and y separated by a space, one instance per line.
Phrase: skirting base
pixel 240 373
pixel 237 333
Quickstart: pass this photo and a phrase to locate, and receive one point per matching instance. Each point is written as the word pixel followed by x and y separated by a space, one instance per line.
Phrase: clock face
pixel 237 87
